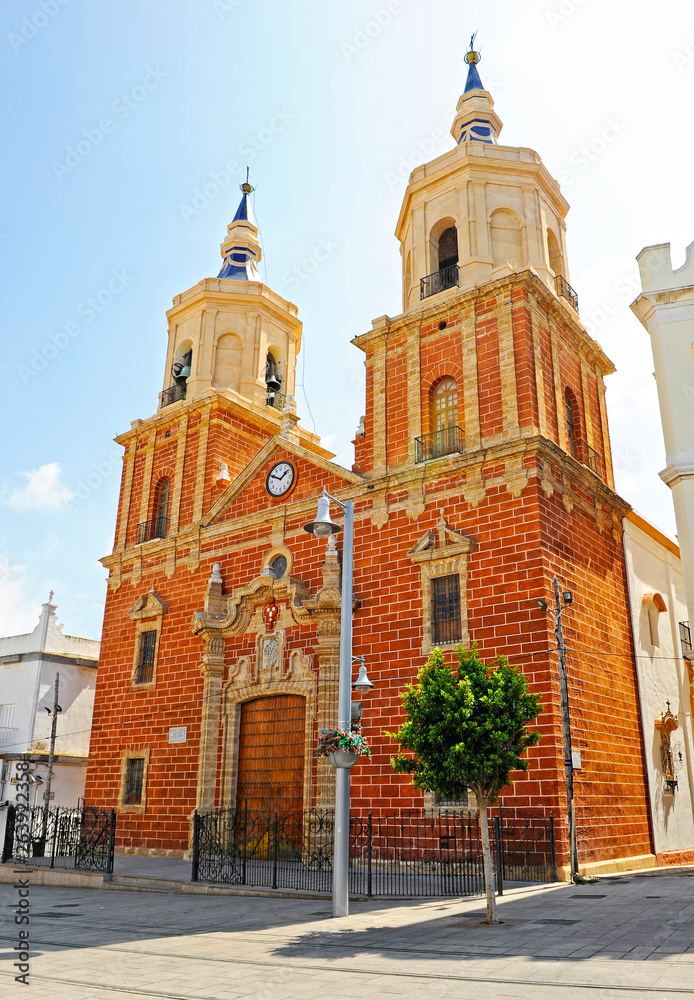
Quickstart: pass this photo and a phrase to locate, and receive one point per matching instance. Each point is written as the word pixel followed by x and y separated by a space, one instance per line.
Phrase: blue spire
pixel 241 250
pixel 473 78
pixel 472 58
pixel 476 120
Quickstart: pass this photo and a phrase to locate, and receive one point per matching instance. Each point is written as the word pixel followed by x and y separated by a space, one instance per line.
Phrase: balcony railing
pixel 439 281
pixel 276 400
pixel 173 394
pixel 564 289
pixel 447 441
pixel 594 461
pixel 685 638
pixel 156 527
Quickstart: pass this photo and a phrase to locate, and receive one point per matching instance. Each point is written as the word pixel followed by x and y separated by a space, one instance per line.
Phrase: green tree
pixel 467 729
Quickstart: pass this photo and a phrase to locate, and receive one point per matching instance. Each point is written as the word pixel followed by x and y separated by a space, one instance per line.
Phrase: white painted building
pixel 28 667
pixel 658 606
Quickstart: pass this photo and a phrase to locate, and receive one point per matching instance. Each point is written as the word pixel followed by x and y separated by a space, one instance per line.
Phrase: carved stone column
pixel 212 667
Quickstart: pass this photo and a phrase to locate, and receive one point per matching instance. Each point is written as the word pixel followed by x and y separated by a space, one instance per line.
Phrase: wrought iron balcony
pixel 156 527
pixel 173 394
pixel 447 441
pixel 276 400
pixel 439 281
pixel 564 289
pixel 594 461
pixel 685 639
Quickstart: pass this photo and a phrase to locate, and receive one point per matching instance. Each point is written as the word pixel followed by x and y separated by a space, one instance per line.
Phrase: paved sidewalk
pixel 625 937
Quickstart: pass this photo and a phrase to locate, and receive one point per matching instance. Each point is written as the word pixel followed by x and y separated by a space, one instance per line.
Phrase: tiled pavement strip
pixel 555 942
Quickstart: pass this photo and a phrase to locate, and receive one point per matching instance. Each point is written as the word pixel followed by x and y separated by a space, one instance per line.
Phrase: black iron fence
pixel 61 838
pixel 447 441
pixel 564 289
pixel 439 281
pixel 156 527
pixel 404 854
pixel 172 394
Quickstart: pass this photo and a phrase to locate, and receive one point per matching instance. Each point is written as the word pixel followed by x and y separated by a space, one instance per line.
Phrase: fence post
pixel 56 815
pixel 111 842
pixel 369 855
pixel 274 852
pixel 245 839
pixel 196 847
pixel 553 848
pixel 499 857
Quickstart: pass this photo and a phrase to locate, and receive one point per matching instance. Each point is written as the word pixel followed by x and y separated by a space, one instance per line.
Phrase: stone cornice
pixel 680 467
pixel 554 306
pixel 490 163
pixel 411 477
pixel 274 445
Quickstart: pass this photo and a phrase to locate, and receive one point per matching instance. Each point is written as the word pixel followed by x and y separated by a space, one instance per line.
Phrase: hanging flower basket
pixel 342 747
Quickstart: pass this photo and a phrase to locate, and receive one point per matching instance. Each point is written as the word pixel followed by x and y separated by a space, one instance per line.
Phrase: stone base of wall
pixel 685 856
pixel 153 852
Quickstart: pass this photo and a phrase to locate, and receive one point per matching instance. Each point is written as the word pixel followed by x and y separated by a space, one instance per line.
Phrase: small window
pixel 448 248
pixel 445 609
pixel 6 723
pixel 134 781
pixel 444 405
pixel 279 566
pixel 162 502
pixel 571 424
pixel 443 803
pixel 144 670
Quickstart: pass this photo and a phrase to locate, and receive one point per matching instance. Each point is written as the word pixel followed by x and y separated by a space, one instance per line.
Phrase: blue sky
pixel 126 128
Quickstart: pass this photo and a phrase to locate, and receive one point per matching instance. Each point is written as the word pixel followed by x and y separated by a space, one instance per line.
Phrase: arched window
pixel 448 248
pixel 227 362
pixel 162 501
pixel 571 423
pixel 273 381
pixel 506 239
pixel 554 253
pixel 444 405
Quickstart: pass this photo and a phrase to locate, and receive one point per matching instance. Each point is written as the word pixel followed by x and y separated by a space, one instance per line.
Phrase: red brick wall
pixel 520 543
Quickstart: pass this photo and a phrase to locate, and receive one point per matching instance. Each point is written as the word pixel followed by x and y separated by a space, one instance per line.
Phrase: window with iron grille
pixel 134 777
pixel 445 609
pixel 144 672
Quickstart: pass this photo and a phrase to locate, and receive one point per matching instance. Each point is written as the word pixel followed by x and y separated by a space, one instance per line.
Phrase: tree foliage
pixel 467 727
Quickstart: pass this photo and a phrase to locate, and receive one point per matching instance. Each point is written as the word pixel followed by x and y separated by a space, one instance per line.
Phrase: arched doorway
pixel 272 741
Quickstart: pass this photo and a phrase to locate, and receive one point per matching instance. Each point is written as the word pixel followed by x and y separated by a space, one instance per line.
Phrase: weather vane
pixel 471 56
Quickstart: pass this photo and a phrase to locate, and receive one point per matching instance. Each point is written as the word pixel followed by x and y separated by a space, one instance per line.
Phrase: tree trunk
pixel 492 918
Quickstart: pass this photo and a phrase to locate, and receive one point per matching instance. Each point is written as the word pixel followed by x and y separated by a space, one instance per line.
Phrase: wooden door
pixel 271 755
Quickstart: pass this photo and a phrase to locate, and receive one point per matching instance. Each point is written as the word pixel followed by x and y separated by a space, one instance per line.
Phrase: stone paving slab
pixel 93 943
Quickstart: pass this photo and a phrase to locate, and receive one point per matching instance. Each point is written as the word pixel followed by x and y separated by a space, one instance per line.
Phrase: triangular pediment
pixel 149 605
pixel 440 543
pixel 253 477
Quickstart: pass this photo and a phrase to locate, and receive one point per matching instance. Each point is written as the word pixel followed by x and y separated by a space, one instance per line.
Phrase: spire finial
pixel 241 250
pixel 471 56
pixel 476 120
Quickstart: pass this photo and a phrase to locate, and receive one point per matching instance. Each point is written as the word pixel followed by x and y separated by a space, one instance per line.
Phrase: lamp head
pixel 568 597
pixel 362 685
pixel 542 604
pixel 322 527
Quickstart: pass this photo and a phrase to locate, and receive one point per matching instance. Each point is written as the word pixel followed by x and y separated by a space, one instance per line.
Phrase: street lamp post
pixel 565 718
pixel 322 527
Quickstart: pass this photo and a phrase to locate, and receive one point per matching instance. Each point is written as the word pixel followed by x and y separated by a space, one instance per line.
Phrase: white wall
pixel 662 677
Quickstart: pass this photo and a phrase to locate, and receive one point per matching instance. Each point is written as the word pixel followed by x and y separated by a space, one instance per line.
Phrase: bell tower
pixel 232 334
pixel 481 211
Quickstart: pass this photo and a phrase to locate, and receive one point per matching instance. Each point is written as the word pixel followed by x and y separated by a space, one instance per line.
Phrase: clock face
pixel 280 479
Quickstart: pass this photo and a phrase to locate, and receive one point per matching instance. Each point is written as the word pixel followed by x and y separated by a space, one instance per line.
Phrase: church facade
pixel 482 471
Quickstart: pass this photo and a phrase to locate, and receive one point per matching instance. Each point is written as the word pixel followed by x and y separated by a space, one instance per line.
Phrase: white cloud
pixel 19 613
pixel 43 489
